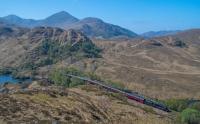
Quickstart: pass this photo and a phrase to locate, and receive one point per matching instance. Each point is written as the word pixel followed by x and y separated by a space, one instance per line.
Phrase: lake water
pixel 8 78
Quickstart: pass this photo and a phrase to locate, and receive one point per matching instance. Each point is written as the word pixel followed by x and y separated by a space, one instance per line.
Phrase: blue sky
pixel 136 15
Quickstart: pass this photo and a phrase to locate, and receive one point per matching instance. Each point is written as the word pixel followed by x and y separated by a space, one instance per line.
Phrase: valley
pixel 164 67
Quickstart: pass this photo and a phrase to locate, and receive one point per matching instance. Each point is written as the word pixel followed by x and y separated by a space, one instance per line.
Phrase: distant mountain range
pixel 92 27
pixel 151 34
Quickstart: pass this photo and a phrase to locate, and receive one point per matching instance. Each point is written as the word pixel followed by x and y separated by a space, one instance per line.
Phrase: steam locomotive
pixel 146 101
pixel 129 94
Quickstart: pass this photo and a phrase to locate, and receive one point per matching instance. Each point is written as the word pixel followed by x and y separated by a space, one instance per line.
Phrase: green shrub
pixel 75 82
pixel 93 76
pixel 180 104
pixel 190 116
pixel 196 106
pixel 53 50
pixel 177 105
pixel 91 50
pixel 60 78
pixel 189 110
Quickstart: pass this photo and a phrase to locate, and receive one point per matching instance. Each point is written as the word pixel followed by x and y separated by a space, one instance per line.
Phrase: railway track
pixel 130 95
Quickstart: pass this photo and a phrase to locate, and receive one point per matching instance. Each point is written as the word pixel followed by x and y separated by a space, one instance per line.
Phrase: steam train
pixel 129 94
pixel 147 101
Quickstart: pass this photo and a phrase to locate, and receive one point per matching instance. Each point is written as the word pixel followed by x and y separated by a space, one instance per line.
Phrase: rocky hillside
pixel 92 27
pixel 38 47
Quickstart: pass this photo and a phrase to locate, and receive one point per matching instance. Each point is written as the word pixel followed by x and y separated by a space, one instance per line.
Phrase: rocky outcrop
pixel 178 43
pixel 56 34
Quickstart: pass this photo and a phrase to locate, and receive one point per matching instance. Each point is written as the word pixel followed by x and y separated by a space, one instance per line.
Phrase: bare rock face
pixel 42 33
pixel 56 34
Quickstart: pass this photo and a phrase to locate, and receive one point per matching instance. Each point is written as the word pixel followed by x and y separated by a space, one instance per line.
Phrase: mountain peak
pixel 12 17
pixel 62 15
pixel 60 19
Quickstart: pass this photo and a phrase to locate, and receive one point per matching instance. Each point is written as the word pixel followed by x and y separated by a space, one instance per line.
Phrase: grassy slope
pixel 159 72
pixel 85 104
